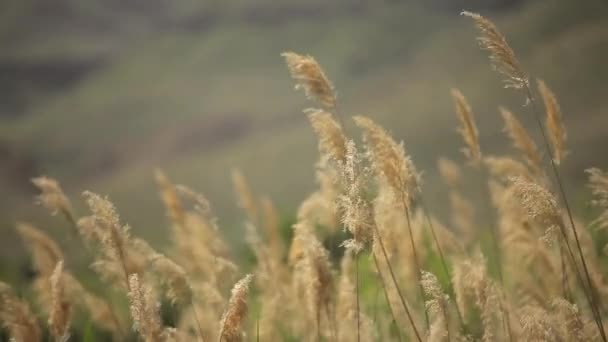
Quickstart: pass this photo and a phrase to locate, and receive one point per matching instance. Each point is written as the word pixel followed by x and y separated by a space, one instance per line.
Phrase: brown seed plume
pixel 357 216
pixel 170 198
pixel 174 277
pixel 144 311
pixel 570 320
pixel 522 141
pixel 52 197
pixel 45 252
pixel 598 183
pixel 115 260
pixel 450 172
pixel 502 56
pixel 468 128
pixel 272 228
pixel 308 73
pixel 61 310
pixel 504 167
pixel 312 271
pixel 236 312
pixel 389 159
pixel 539 203
pixel 332 141
pixel 437 305
pixel 553 122
pixel 17 317
pixel 244 195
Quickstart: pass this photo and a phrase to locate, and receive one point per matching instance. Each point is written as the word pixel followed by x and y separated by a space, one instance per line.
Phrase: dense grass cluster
pixel 533 273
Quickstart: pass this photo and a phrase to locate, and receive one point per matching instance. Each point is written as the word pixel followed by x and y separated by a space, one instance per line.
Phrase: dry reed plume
pixel 468 127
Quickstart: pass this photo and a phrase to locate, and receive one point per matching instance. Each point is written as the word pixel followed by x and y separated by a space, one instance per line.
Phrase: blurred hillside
pixel 100 93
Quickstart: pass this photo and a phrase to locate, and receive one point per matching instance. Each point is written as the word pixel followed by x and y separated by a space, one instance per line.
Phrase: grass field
pixel 198 90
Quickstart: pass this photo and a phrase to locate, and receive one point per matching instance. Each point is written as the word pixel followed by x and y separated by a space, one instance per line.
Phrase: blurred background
pixel 99 93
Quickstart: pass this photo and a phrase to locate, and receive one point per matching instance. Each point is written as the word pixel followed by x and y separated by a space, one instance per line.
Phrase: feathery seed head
pixel 332 141
pixel 468 128
pixel 522 141
pixel 169 196
pixel 504 167
pixel 17 317
pixel 389 160
pixel 537 325
pixel 450 172
pixel 45 252
pixel 598 183
pixel 244 195
pixel 356 210
pixel 61 310
pixel 571 319
pixel 103 211
pixel 437 300
pixel 144 310
pixel 502 57
pixel 174 277
pixel 308 74
pixel 52 197
pixel 236 312
pixel 555 126
pixel 538 202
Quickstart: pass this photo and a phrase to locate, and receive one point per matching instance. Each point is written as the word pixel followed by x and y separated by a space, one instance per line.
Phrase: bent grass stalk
pixel 394 279
pixel 443 262
pixel 386 297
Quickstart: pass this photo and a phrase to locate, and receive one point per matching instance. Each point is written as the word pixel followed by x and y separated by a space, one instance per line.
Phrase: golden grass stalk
pixel 170 198
pixel 553 123
pixel 570 321
pixel 144 311
pixel 505 167
pixel 378 241
pixel 52 197
pixel 395 169
pixel 437 306
pixel 468 128
pixel 17 317
pixel 450 172
pixel 539 203
pixel 245 198
pixel 310 76
pixel 348 306
pixel 174 277
pixel 471 281
pixel 502 56
pixel 505 62
pixel 537 325
pixel 389 159
pixel 314 271
pixel 357 216
pixel 45 252
pixel 598 183
pixel 272 228
pixel 321 207
pixel 522 141
pixel 61 310
pixel 541 206
pixel 236 312
pixel 332 141
pixel 114 236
